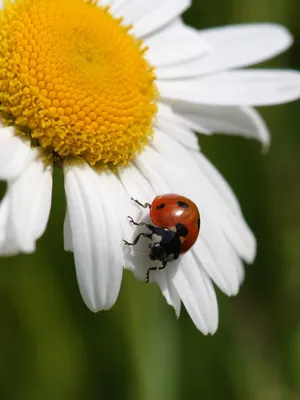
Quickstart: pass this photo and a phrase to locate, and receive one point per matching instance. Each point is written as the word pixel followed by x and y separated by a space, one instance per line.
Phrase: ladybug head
pixel 157 252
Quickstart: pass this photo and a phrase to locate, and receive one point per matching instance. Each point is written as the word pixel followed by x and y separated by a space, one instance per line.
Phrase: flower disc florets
pixel 74 79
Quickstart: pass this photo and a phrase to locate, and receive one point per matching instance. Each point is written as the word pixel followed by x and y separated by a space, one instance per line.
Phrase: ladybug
pixel 177 224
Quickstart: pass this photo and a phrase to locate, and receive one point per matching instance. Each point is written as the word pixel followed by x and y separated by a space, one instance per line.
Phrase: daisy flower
pixel 112 91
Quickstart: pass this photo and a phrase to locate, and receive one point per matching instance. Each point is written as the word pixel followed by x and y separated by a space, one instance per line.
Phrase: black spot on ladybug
pixel 160 206
pixel 182 204
pixel 198 223
pixel 182 230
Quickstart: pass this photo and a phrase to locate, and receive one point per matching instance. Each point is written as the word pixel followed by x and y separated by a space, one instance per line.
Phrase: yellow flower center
pixel 73 78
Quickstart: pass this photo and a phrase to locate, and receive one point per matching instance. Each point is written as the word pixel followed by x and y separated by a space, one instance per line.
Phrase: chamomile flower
pixel 112 92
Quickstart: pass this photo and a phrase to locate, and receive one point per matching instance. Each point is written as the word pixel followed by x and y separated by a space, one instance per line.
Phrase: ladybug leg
pixel 147 235
pixel 131 220
pixel 146 205
pixel 164 263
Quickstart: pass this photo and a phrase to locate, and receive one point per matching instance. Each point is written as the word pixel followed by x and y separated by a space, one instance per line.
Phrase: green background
pixel 53 347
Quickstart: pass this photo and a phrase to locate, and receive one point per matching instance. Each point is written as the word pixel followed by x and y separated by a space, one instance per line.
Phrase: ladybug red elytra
pixel 177 224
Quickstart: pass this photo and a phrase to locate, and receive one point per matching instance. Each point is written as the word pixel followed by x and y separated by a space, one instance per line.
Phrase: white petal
pixel 233 47
pixel 215 252
pixel 164 280
pixel 249 87
pixel 217 180
pixel 96 236
pixel 197 293
pixel 120 201
pixel 104 3
pixel 216 256
pixel 162 13
pixel 233 225
pixel 217 218
pixel 130 10
pixel 136 257
pixel 14 152
pixel 31 203
pixel 149 16
pixel 168 46
pixel 179 133
pixel 68 238
pixel 240 268
pixel 168 289
pixel 175 127
pixel 136 185
pixel 244 121
pixel 243 45
pixel 8 244
pixel 27 207
pixel 6 133
pixel 4 207
pixel 79 202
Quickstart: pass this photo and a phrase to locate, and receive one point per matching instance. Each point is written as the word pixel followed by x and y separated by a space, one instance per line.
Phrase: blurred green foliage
pixel 53 347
